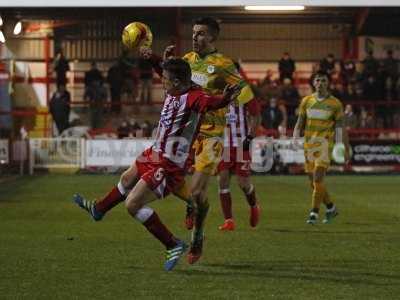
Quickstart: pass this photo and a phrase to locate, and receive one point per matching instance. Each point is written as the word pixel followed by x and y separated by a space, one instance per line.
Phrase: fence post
pixel 83 153
pixel 30 157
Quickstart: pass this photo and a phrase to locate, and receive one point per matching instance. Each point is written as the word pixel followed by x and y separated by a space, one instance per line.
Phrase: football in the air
pixel 137 34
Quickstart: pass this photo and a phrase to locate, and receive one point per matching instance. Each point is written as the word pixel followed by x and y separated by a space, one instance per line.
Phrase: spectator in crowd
pixel 146 80
pixel 274 115
pixel 350 118
pixel 287 66
pixel 96 94
pixel 123 130
pixel 348 71
pixel 397 91
pixel 340 92
pixel 390 66
pixel 146 128
pixel 60 108
pixel 290 95
pixel 370 65
pixel 359 93
pixel 115 80
pixel 366 119
pixel 268 91
pixel 328 64
pixel 390 75
pixel 130 74
pixel 93 76
pixel 134 127
pixel 351 92
pixel 371 89
pixel 61 67
pixel 267 79
pixel 390 89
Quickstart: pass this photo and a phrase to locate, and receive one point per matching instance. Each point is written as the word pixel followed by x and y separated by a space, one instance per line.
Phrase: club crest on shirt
pixel 210 69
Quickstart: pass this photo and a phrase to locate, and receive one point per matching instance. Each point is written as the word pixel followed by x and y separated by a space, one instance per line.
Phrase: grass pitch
pixel 51 249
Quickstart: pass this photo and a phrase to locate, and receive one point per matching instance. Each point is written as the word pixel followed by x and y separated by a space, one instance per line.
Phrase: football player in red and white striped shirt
pixel 241 124
pixel 161 167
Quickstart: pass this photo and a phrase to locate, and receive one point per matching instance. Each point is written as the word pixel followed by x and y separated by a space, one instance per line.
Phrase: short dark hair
pixel 179 68
pixel 211 23
pixel 319 73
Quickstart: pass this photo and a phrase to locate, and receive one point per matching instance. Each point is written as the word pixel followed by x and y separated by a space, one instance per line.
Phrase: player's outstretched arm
pixel 204 102
pixel 231 92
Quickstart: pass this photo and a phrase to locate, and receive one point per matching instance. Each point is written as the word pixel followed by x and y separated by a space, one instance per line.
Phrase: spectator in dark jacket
pixel 291 97
pixel 328 64
pixel 146 80
pixel 287 66
pixel 96 94
pixel 390 66
pixel 274 115
pixel 371 65
pixel 92 75
pixel 60 108
pixel 61 67
pixel 115 79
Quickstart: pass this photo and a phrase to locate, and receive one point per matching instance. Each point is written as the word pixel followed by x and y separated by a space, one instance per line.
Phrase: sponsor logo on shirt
pixel 159 174
pixel 199 78
pixel 230 118
pixel 318 114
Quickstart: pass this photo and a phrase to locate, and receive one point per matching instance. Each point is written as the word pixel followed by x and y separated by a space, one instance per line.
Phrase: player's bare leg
pixel 97 209
pixel 199 195
pixel 250 193
pixel 135 203
pixel 226 201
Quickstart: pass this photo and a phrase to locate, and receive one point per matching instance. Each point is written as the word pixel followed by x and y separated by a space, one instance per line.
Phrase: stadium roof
pixel 383 21
pixel 191 3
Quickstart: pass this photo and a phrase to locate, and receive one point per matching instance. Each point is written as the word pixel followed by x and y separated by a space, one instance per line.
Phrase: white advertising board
pixel 118 153
pixel 122 153
pixel 4 153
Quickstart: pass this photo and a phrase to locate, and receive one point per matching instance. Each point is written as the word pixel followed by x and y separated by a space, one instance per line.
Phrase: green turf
pixel 50 249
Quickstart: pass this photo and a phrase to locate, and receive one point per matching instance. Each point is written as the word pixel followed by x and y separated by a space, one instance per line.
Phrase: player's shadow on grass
pixel 322 271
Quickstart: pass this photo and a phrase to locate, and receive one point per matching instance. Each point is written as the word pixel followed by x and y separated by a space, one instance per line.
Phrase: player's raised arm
pixel 232 76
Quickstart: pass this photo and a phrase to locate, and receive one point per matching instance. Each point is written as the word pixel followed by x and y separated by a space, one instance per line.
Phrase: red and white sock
pixel 226 203
pixel 251 196
pixel 114 197
pixel 149 218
